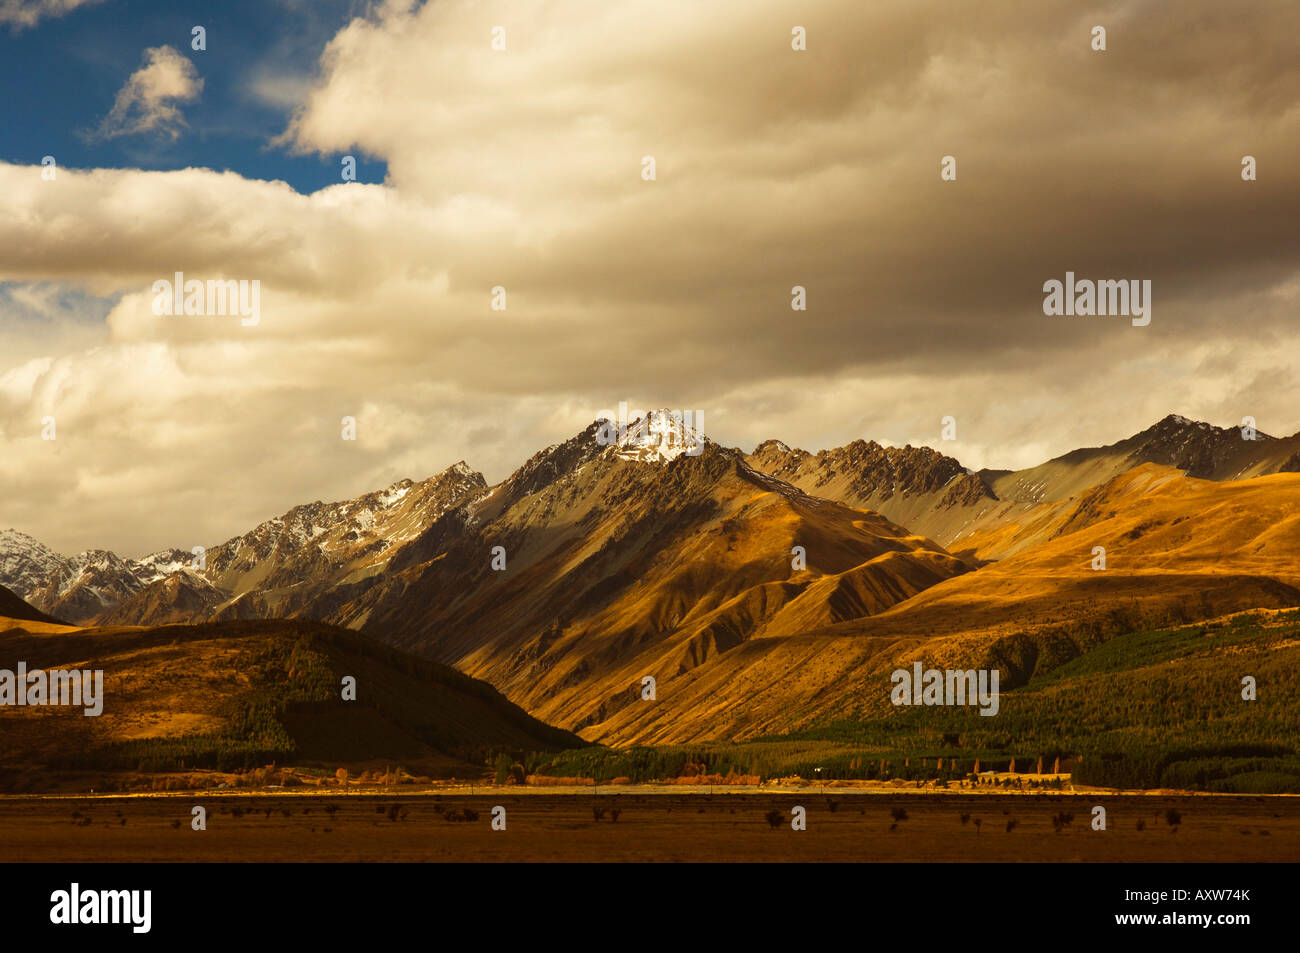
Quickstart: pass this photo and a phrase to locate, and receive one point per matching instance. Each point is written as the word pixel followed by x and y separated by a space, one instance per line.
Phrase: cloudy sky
pixel 522 168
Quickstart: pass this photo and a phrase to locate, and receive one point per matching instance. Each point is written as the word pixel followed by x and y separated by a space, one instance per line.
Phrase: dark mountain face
pixel 917 487
pixel 868 471
pixel 12 607
pixel 1199 449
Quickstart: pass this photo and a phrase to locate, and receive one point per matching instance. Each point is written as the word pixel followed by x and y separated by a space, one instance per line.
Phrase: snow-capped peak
pixel 26 563
pixel 660 437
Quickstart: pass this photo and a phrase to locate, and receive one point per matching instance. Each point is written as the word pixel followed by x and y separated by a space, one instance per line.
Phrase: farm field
pixel 658 827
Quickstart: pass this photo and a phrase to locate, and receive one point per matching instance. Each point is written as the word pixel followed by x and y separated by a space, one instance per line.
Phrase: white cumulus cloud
pixel 149 102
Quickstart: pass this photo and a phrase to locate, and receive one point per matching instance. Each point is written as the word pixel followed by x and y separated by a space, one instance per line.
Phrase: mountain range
pixel 762 592
pixel 270 571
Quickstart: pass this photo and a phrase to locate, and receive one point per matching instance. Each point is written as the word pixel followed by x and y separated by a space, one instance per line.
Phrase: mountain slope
pixel 993 514
pixel 326 544
pixel 1044 498
pixel 914 486
pixel 1197 448
pixel 1178 550
pixel 180 596
pixel 626 561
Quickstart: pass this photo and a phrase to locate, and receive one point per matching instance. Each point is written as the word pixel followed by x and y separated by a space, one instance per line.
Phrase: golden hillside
pixel 1178 550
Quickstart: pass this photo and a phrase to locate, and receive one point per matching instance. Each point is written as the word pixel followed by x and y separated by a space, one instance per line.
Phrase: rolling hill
pixel 238 695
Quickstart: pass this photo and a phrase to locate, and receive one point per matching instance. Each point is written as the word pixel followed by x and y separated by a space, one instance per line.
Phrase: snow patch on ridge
pixel 660 437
